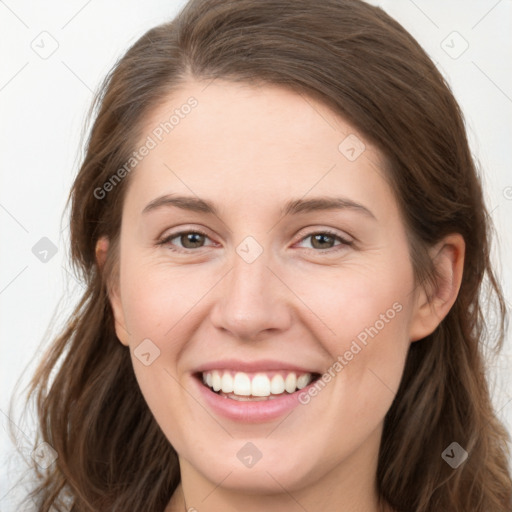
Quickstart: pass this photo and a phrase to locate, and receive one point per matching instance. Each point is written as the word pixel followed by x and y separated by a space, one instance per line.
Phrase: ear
pixel 102 247
pixel 432 305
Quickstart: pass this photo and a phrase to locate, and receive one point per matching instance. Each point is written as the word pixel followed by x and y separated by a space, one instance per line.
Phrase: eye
pixel 189 240
pixel 324 240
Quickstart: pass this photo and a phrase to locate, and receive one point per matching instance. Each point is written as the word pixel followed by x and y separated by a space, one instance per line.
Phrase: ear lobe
pixel 101 251
pixel 119 318
pixel 432 305
pixel 102 247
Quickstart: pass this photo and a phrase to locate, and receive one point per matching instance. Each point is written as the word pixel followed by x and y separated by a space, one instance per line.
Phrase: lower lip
pixel 247 411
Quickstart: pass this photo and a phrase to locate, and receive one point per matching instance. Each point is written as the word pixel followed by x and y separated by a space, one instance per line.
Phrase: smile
pixel 252 396
pixel 244 386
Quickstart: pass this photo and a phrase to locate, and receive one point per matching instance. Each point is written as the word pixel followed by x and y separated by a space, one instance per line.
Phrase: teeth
pixel 227 383
pixel 242 384
pixel 216 380
pixel 303 381
pixel 290 384
pixel 260 385
pixel 255 385
pixel 277 384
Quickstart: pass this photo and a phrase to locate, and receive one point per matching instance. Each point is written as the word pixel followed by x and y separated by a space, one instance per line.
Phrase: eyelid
pixel 186 228
pixel 316 230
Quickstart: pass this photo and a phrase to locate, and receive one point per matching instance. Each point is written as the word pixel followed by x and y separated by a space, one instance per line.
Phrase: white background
pixel 43 105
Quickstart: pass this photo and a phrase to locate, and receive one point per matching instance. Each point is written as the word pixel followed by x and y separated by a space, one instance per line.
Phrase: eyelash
pixel 343 242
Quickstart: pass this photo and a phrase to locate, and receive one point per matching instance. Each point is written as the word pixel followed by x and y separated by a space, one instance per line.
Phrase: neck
pixel 179 504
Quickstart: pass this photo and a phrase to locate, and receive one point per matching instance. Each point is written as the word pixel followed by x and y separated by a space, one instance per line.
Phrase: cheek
pixel 367 311
pixel 358 302
pixel 156 298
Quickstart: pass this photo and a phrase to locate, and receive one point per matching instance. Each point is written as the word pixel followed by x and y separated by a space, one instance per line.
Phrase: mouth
pixel 255 386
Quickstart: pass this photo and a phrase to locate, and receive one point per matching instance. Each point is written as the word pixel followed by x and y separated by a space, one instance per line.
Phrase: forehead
pixel 251 115
pixel 239 140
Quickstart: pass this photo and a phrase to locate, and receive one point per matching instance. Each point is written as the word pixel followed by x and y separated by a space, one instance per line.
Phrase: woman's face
pixel 279 288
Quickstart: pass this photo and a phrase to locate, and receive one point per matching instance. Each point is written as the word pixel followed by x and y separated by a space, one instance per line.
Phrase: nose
pixel 252 301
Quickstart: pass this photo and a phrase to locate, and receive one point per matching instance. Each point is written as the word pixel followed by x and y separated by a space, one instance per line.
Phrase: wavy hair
pixel 357 60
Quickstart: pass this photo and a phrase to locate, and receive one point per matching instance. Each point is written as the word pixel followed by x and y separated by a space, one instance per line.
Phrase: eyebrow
pixel 293 207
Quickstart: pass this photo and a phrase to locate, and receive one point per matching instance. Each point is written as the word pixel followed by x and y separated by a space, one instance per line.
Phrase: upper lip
pixel 251 366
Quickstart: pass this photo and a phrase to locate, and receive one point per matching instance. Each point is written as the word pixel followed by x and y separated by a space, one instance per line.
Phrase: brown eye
pixel 325 240
pixel 322 241
pixel 191 240
pixel 184 240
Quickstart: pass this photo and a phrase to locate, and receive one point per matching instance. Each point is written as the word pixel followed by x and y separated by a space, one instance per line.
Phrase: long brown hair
pixel 361 63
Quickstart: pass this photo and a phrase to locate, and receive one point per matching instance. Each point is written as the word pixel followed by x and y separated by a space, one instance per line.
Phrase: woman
pixel 284 242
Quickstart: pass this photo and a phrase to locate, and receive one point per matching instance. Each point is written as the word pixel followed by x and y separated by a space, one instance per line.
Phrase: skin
pixel 249 150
